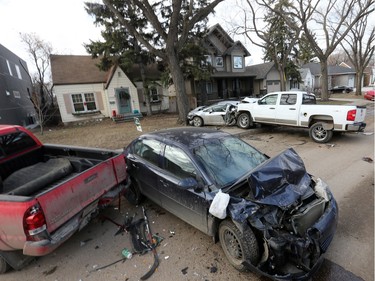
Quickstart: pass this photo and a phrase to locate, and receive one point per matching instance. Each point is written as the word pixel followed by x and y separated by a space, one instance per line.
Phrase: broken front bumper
pixel 319 236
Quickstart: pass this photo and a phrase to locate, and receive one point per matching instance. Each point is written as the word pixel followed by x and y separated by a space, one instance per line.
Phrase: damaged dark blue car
pixel 279 220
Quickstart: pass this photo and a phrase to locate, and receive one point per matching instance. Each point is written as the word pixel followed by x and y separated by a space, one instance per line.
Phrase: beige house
pixel 83 92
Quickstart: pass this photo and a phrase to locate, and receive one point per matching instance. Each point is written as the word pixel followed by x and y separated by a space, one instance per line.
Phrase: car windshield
pixel 228 159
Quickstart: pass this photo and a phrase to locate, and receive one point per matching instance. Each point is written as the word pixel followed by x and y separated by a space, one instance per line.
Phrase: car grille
pixel 307 216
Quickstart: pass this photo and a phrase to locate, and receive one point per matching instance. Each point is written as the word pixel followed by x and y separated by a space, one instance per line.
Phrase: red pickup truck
pixel 48 192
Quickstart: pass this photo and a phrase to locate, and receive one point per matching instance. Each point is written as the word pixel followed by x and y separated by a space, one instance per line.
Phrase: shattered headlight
pixel 321 189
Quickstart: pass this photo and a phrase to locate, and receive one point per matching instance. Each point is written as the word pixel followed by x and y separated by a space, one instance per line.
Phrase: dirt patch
pixel 105 133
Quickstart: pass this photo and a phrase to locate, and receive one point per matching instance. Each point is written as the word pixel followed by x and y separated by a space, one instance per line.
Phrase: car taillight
pixel 351 115
pixel 34 222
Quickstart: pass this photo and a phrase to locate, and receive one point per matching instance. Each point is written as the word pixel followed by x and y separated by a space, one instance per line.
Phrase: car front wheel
pixel 244 120
pixel 319 134
pixel 197 121
pixel 238 247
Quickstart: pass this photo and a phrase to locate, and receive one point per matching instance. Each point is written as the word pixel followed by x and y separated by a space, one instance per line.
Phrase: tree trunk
pixel 358 82
pixel 179 84
pixel 145 91
pixel 324 79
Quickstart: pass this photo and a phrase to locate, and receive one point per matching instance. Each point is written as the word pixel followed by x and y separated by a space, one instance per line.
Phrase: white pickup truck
pixel 299 109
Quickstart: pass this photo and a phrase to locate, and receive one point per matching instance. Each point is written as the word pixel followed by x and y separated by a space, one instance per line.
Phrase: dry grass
pixel 105 134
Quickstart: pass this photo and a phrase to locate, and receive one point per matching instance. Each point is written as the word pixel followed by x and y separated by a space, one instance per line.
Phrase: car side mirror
pixel 187 183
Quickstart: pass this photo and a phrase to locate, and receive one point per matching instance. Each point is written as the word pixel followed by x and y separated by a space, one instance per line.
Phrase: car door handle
pixel 272 108
pixel 164 183
pixel 292 109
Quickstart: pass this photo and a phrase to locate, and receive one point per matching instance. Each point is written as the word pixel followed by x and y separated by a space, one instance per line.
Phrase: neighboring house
pixel 84 92
pixel 229 79
pixel 15 90
pixel 160 98
pixel 337 75
pixel 308 80
pixel 267 79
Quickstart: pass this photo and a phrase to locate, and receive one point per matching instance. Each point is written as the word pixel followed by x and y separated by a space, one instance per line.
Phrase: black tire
pixel 238 246
pixel 319 134
pixel 244 120
pixel 133 193
pixel 4 266
pixel 197 121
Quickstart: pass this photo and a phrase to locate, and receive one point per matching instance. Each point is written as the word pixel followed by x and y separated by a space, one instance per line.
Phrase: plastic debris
pixel 367 159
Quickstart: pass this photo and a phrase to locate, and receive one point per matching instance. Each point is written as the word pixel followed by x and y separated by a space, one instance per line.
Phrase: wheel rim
pixel 197 122
pixel 320 133
pixel 244 120
pixel 232 245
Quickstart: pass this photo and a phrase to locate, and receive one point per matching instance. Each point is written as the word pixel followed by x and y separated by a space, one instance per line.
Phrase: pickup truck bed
pixel 48 192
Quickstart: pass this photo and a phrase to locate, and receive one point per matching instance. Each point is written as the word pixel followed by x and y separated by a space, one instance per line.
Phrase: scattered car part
pixel 151 244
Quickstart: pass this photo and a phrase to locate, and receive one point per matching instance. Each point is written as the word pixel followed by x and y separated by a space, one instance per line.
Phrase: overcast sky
pixel 67 26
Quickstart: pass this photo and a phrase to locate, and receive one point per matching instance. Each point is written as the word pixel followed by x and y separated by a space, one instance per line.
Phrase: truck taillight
pixel 351 115
pixel 34 222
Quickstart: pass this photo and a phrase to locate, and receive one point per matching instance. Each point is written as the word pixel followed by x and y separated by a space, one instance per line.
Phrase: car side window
pixel 149 150
pixel 288 99
pixel 269 100
pixel 308 99
pixel 178 163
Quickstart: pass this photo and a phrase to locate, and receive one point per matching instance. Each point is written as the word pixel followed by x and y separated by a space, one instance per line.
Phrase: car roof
pixel 188 136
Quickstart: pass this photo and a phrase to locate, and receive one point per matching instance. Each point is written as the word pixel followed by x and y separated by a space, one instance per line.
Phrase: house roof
pixel 332 69
pixel 260 71
pixel 71 69
pixel 217 31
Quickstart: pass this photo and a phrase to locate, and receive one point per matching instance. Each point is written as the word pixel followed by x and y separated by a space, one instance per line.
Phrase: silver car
pixel 210 115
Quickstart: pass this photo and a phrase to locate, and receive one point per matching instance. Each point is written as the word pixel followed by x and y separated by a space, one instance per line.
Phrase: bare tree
pixel 278 41
pixel 171 23
pixel 325 24
pixel 360 48
pixel 41 95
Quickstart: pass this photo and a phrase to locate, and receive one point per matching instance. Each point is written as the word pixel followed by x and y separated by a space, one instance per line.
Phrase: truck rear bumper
pixel 356 127
pixel 46 246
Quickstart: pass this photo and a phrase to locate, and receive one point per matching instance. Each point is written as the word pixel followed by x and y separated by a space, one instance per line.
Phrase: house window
pixel 84 102
pixel 16 94
pixel 219 61
pixel 154 97
pixel 9 69
pixel 208 60
pixel 208 87
pixel 18 72
pixel 237 62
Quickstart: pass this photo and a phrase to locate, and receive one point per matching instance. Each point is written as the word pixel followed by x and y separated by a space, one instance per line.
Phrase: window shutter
pixel 99 101
pixel 68 103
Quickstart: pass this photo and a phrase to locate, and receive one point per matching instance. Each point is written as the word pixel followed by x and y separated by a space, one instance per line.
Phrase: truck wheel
pixel 319 134
pixel 4 266
pixel 244 120
pixel 133 193
pixel 197 121
pixel 238 247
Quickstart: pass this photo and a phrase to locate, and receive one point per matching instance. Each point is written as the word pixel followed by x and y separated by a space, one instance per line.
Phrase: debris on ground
pixel 367 159
pixel 184 270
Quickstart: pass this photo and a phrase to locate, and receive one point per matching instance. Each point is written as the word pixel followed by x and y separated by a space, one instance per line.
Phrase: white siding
pixel 60 90
pixel 119 81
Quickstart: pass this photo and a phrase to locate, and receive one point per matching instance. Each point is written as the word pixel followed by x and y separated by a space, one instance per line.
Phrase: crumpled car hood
pixel 281 180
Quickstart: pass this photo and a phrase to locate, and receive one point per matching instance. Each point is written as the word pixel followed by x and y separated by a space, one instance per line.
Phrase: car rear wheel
pixel 133 193
pixel 244 120
pixel 197 121
pixel 4 266
pixel 319 134
pixel 238 247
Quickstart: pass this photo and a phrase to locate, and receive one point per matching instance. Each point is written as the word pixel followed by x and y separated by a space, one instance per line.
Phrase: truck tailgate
pixel 62 202
pixel 361 114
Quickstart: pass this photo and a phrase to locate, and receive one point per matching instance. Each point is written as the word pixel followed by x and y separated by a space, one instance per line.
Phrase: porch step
pixel 126 117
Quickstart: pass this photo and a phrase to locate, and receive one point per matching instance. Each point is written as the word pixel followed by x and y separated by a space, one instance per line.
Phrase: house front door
pixel 123 100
